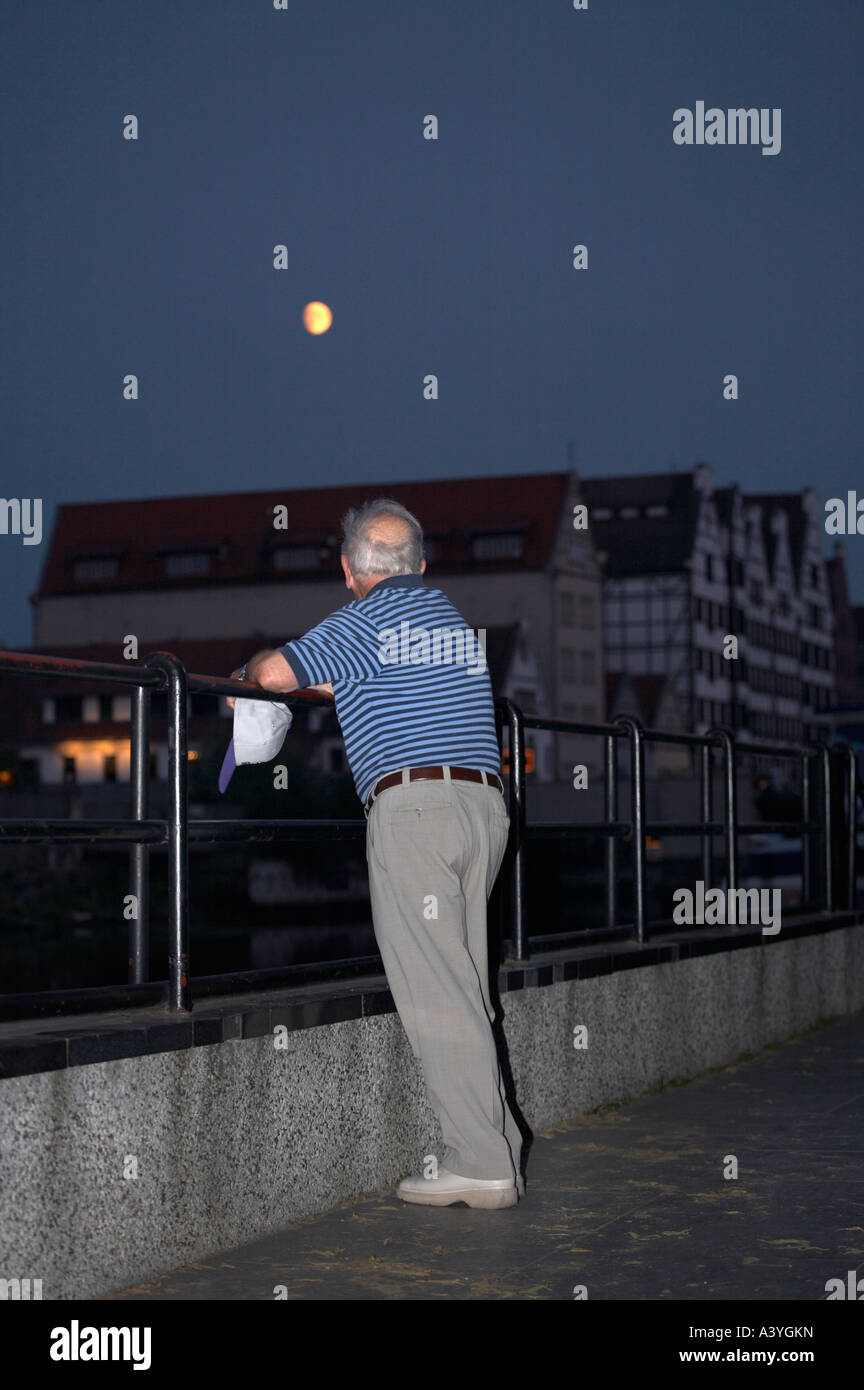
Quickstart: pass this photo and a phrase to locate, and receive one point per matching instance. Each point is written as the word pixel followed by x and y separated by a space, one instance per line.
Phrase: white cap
pixel 260 727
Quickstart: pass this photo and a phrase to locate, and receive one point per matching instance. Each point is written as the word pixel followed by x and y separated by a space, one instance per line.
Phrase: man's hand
pixel 237 675
pixel 271 671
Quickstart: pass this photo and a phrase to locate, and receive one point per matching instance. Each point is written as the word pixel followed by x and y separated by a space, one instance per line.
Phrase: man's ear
pixel 422 566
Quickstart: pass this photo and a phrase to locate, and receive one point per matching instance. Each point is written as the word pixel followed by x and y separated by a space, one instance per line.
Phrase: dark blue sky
pixel 304 127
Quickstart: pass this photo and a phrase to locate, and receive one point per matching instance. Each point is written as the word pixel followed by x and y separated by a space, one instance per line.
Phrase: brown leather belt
pixel 434 774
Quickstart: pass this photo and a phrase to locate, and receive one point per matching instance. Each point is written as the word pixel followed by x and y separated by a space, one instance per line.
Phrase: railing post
pixel 730 780
pixel 611 809
pixel 852 820
pixel 706 804
pixel 518 881
pixel 807 833
pixel 637 819
pixel 179 992
pixel 139 855
pixel 827 827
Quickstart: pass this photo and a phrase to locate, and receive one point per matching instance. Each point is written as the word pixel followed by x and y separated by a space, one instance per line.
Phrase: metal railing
pixel 163 672
pixel 638 828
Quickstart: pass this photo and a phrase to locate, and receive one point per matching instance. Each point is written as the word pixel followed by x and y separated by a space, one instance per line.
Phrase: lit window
pixel 657 509
pixel 601 513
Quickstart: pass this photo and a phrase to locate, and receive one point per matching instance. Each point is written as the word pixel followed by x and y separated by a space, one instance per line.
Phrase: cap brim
pixel 229 763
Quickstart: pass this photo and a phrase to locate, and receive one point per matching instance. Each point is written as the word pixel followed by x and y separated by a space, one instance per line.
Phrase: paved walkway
pixel 629 1202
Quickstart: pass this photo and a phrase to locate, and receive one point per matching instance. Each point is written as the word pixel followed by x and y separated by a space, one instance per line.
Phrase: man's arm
pixel 271 671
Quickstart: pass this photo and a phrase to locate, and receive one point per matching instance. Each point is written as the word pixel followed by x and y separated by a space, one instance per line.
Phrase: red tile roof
pixel 237 528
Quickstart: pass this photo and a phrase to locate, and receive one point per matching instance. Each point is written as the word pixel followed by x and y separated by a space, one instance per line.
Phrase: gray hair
pixel 366 555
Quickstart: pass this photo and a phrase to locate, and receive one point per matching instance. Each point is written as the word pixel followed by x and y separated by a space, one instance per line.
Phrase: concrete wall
pixel 236 1140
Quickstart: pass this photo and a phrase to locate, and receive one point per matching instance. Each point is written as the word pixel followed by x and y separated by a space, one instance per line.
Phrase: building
pixel 687 567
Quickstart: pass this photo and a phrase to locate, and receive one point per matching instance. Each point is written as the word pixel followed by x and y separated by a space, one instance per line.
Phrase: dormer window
pixel 94 569
pixel 506 546
pixel 183 564
pixel 297 557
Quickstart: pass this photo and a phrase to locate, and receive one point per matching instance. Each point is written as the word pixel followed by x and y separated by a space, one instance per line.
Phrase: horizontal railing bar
pixel 537 829
pixel 154 832
pixel 248 690
pixel 568 726
pixel 756 827
pixel 256 831
pixel 143 832
pixel 686 740
pixel 787 750
pixel 25 664
pixel 676 827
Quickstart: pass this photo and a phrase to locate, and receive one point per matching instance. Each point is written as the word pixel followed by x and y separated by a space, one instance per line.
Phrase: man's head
pixel 382 538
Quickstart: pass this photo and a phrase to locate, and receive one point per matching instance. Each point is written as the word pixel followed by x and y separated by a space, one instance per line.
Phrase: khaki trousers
pixel 434 850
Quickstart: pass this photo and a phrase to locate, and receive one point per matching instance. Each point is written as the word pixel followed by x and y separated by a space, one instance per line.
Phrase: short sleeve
pixel 341 648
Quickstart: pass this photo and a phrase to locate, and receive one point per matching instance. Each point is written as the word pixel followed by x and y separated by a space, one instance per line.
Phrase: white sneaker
pixel 492 1194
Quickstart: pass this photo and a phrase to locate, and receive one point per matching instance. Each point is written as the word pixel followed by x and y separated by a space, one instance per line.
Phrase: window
pixel 297 557
pixel 68 709
pixel 69 771
pixel 109 765
pixel 94 569
pixel 601 514
pixel 567 609
pixel 587 613
pixel 92 709
pixel 589 713
pixel 49 712
pixel 628 513
pixel 757 593
pixel 568 664
pixel 657 509
pixel 502 547
pixel 183 564
pixel 588 671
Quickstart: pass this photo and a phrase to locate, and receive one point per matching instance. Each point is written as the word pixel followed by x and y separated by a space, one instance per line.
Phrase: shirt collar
pixel 397 581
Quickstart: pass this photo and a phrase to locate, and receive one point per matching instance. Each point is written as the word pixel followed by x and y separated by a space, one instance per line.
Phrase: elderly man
pixel 414 702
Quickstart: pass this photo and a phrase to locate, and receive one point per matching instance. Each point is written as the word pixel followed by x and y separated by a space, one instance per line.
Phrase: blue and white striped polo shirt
pixel 409 679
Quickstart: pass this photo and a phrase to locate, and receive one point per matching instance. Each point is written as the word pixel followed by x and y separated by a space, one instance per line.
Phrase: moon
pixel 317 317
